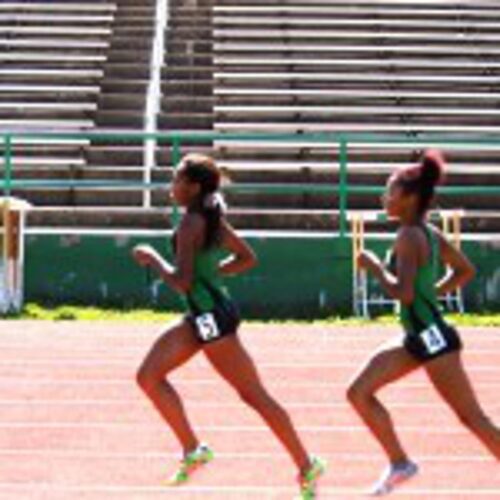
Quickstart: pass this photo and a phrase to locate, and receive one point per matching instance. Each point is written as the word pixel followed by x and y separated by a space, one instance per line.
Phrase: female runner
pixel 428 341
pixel 212 321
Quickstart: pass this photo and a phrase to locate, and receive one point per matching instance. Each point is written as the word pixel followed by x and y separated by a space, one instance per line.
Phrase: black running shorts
pixel 435 341
pixel 213 325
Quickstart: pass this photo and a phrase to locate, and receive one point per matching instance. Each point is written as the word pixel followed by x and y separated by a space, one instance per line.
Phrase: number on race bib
pixel 433 339
pixel 207 327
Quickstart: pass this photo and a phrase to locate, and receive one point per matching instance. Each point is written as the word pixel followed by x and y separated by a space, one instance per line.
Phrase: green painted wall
pixel 295 278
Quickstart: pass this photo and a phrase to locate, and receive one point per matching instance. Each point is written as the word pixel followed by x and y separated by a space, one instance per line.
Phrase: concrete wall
pixel 299 277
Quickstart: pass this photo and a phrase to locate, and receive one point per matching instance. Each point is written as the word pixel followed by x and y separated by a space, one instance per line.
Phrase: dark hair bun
pixel 432 168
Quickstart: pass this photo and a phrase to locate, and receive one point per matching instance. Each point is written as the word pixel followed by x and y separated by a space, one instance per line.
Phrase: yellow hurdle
pixel 359 285
pixel 451 224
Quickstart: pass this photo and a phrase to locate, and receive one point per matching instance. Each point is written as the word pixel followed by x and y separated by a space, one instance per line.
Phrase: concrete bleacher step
pixel 44 18
pixel 327 172
pixel 177 103
pixel 312 19
pixel 118 100
pixel 57 217
pixel 362 5
pixel 55 32
pixel 120 55
pixel 310 96
pixel 48 76
pixel 187 72
pixel 42 124
pixel 117 155
pixel 160 218
pixel 169 121
pixel 31 167
pixel 116 86
pixel 297 35
pixel 188 87
pixel 318 49
pixel 130 43
pixel 355 127
pixel 126 71
pixel 65 108
pixel 54 60
pixel 322 65
pixel 251 112
pixel 42 45
pixel 124 119
pixel 124 155
pixel 57 94
pixel 66 6
pixel 386 79
pixel 370 11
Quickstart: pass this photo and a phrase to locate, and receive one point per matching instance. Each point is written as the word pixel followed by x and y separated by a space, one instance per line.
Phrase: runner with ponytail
pixel 429 342
pixel 211 322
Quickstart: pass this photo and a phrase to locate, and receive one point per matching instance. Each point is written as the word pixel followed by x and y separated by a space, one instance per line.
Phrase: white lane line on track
pixel 52 363
pixel 75 362
pixel 160 455
pixel 109 426
pixel 227 490
pixel 16 381
pixel 210 404
pixel 129 353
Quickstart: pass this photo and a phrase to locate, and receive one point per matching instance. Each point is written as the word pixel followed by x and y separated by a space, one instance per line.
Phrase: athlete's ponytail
pixel 431 174
pixel 423 179
pixel 202 170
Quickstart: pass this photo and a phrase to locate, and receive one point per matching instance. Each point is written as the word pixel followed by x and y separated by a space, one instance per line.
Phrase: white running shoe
pixel 394 476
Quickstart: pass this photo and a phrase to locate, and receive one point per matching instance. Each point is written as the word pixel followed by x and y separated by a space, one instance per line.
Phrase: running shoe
pixel 394 476
pixel 191 463
pixel 309 480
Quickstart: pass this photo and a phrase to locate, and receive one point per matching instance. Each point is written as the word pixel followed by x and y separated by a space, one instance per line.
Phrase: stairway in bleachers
pixel 122 107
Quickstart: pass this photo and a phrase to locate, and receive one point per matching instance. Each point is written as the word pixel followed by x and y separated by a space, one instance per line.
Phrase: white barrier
pixel 12 255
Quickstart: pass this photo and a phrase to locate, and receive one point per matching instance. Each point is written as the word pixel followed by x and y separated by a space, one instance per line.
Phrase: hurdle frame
pixel 451 225
pixel 13 250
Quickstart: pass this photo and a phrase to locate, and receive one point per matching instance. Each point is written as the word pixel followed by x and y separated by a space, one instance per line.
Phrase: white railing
pixel 153 96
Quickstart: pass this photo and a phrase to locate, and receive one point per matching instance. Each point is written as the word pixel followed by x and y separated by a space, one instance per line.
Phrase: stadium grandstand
pixel 289 68
pixel 307 106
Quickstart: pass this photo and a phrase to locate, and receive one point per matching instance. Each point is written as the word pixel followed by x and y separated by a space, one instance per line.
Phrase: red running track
pixel 73 425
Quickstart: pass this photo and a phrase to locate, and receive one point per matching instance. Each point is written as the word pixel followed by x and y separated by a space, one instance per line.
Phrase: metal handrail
pixel 340 141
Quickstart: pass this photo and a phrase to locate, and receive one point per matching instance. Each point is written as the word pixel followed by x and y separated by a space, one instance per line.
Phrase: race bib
pixel 207 327
pixel 433 339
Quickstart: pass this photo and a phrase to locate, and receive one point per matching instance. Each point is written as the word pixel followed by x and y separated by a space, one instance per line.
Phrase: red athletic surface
pixel 73 424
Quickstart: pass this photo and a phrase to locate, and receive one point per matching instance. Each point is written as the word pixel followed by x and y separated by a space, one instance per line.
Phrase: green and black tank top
pixel 207 289
pixel 424 311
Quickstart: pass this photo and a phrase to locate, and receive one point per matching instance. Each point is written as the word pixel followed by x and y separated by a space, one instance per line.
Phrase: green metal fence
pixel 339 142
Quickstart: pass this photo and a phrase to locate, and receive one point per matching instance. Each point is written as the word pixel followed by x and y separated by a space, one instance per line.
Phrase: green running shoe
pixel 191 463
pixel 308 481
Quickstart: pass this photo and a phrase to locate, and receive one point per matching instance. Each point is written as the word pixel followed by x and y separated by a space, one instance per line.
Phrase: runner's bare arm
pixel 180 276
pixel 461 270
pixel 399 287
pixel 242 256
